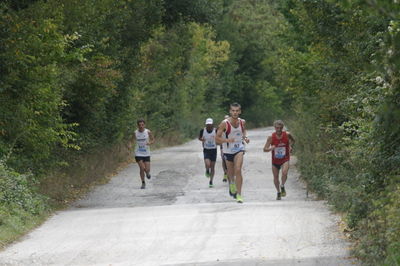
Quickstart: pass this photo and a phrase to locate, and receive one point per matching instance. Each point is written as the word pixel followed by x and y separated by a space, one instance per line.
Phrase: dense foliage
pixel 342 69
pixel 75 76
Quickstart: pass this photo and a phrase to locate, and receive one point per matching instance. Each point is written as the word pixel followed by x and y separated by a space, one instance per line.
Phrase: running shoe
pixel 278 197
pixel 225 179
pixel 148 175
pixel 143 186
pixel 283 191
pixel 239 198
pixel 210 185
pixel 232 190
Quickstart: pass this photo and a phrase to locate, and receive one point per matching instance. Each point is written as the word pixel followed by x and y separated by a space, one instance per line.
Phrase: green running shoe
pixel 232 190
pixel 283 191
pixel 239 198
pixel 225 179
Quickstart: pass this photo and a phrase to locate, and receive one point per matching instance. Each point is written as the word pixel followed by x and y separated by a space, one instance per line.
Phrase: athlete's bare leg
pixel 285 170
pixel 275 172
pixel 230 171
pixel 142 168
pixel 224 165
pixel 207 164
pixel 238 162
pixel 212 172
pixel 147 168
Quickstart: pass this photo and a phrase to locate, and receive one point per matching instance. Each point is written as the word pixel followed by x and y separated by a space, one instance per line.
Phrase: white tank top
pixel 209 138
pixel 233 133
pixel 142 138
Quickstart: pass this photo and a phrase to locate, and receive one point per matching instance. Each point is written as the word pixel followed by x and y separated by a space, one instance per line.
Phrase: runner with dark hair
pixel 144 138
pixel 232 135
pixel 207 137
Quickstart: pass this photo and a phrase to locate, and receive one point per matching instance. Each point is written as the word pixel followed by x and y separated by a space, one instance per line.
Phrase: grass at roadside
pixel 17 223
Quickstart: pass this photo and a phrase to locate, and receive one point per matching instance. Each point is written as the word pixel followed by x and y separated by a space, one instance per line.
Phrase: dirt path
pixel 178 220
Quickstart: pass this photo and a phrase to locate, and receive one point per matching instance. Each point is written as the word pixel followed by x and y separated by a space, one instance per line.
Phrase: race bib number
pixel 142 148
pixel 237 146
pixel 280 152
pixel 209 144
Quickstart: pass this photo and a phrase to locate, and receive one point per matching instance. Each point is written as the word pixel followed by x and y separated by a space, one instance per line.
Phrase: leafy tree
pixel 251 28
pixel 31 95
pixel 177 69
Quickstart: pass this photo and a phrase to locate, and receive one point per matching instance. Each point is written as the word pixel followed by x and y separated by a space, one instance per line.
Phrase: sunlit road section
pixel 179 220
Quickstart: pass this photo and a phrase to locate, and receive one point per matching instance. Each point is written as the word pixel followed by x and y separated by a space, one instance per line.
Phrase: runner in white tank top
pixel 207 137
pixel 142 148
pixel 144 138
pixel 231 134
pixel 235 133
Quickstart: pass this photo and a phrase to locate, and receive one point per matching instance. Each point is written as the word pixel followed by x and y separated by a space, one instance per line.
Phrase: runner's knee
pixel 238 171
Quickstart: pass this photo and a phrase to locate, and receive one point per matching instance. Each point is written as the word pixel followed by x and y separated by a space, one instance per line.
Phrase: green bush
pixel 17 191
pixel 21 206
pixel 383 227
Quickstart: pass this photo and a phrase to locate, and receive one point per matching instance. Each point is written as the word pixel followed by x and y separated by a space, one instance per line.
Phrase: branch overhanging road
pixel 178 220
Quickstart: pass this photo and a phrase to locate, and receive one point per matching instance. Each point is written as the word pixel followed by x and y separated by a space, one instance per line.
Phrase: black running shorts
pixel 210 154
pixel 231 157
pixel 142 158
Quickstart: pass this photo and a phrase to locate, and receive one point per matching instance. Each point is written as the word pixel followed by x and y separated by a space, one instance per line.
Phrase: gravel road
pixel 178 220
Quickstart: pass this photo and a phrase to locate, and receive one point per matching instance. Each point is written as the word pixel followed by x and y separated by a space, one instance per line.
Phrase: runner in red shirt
pixel 280 143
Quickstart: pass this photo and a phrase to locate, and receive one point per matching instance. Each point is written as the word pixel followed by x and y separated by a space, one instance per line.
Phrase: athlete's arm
pixel 151 137
pixel 218 137
pixel 245 138
pixel 201 135
pixel 267 146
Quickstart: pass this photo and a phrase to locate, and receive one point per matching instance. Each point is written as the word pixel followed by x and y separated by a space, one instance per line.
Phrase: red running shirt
pixel 280 154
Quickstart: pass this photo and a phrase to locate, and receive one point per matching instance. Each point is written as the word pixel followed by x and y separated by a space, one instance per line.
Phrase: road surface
pixel 178 220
